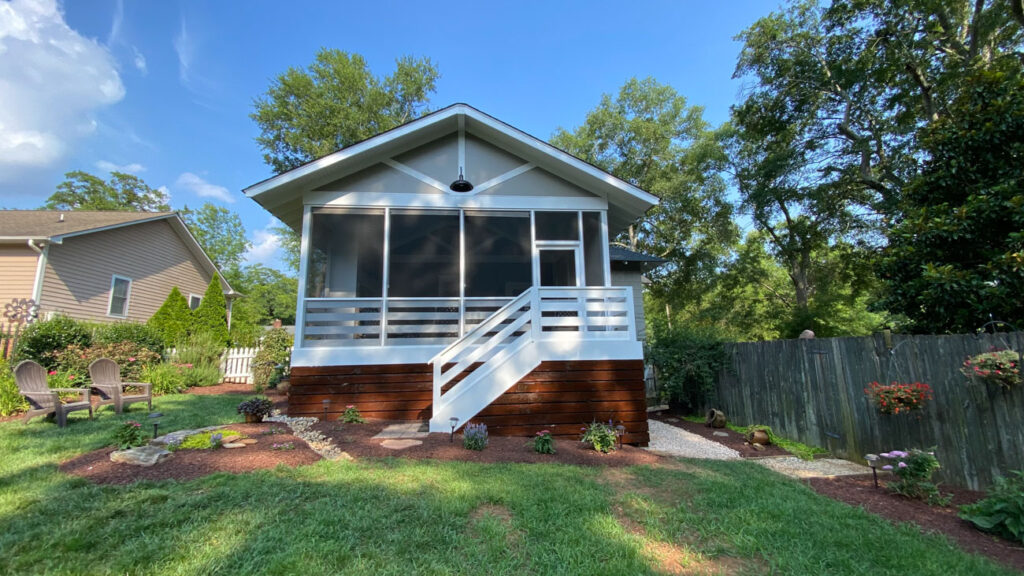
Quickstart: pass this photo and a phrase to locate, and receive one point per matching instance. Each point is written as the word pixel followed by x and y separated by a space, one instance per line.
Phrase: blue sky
pixel 164 89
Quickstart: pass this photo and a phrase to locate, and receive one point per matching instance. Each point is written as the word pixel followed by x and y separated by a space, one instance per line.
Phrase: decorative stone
pixel 142 456
pixel 248 441
pixel 400 444
pixel 758 447
pixel 233 445
pixel 720 433
pixel 344 456
pixel 175 438
pixel 232 439
pixel 672 420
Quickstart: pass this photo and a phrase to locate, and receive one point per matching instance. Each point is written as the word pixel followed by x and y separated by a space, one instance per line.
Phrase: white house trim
pixel 37 284
pixel 503 177
pixel 417 175
pixel 406 200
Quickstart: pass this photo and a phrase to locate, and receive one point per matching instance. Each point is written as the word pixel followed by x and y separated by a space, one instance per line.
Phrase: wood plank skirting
pixel 557 396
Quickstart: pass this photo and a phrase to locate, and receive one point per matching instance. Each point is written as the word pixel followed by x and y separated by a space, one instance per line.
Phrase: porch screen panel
pixel 558 226
pixel 424 254
pixel 346 257
pixel 593 249
pixel 498 258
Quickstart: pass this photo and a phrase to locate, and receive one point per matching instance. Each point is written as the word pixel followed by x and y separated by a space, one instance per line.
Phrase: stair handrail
pixel 482 328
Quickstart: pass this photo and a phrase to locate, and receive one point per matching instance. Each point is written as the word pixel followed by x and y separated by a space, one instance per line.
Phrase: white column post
pixel 384 289
pixel 462 272
pixel 605 249
pixel 305 249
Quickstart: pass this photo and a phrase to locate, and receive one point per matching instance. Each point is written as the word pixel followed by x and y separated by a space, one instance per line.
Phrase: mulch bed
pixel 356 440
pixel 191 464
pixel 734 440
pixel 861 491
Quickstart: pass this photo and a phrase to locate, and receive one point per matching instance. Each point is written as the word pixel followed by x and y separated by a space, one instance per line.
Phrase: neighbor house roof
pixel 53 226
pixel 620 254
pixel 282 194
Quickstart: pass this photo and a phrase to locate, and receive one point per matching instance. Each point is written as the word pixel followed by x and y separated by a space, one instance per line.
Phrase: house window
pixel 194 300
pixel 558 226
pixel 120 290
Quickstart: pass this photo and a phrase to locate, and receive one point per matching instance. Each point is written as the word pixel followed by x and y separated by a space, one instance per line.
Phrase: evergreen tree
pixel 211 315
pixel 173 319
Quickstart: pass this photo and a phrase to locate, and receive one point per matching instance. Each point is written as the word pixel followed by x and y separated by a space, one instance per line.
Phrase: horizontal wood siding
pixel 17 273
pixel 79 271
pixel 558 396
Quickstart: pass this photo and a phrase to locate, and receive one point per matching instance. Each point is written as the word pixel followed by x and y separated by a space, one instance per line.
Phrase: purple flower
pixel 887 467
pixel 903 464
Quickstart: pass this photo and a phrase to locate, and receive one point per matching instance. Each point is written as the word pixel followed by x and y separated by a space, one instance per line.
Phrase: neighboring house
pixel 628 269
pixel 458 269
pixel 101 266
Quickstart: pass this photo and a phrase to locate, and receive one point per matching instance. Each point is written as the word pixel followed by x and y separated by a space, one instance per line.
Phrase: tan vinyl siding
pixel 17 273
pixel 79 271
pixel 633 279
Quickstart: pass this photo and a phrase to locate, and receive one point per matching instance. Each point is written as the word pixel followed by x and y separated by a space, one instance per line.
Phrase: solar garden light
pixel 873 463
pixel 454 422
pixel 327 405
pixel 620 431
pixel 155 416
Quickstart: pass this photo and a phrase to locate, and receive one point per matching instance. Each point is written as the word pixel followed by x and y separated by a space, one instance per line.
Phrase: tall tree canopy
pixel 220 232
pixel 337 101
pixel 83 191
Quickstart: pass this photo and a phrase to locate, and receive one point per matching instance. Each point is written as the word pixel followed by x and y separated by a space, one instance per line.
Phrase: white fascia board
pixel 385 199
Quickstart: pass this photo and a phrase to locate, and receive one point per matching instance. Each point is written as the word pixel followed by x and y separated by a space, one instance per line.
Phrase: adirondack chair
pixel 106 381
pixel 43 400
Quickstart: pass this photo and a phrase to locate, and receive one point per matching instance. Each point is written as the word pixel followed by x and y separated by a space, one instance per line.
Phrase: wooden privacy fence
pixel 813 391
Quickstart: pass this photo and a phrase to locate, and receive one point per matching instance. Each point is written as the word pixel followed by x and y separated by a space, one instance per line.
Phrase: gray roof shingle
pixel 48 223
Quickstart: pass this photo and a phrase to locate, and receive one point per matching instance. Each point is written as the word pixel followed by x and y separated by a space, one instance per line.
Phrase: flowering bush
pixel 996 366
pixel 132 358
pixel 129 435
pixel 474 437
pixel 352 415
pixel 66 379
pixel 897 398
pixel 913 471
pixel 543 443
pixel 600 436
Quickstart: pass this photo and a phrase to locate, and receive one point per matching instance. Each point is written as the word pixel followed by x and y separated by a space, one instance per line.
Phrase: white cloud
pixel 166 192
pixel 140 61
pixel 204 189
pixel 115 23
pixel 52 80
pixel 185 47
pixel 264 247
pixel 133 168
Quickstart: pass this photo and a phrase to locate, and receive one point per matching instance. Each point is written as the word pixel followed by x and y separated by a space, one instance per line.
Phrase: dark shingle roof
pixel 48 224
pixel 620 254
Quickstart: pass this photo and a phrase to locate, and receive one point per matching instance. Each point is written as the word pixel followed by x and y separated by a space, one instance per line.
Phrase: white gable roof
pixel 282 194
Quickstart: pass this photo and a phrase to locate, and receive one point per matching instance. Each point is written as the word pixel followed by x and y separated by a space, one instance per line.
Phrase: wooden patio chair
pixel 43 400
pixel 106 381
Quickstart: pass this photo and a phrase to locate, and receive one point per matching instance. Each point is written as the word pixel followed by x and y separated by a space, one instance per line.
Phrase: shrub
pixel 273 352
pixel 898 398
pixel 913 471
pixel 352 415
pixel 474 437
pixel 141 335
pixel 543 443
pixel 1002 510
pixel 66 379
pixel 11 401
pixel 41 339
pixel 211 316
pixel 201 376
pixel 129 435
pixel 688 365
pixel 600 436
pixel 256 406
pixel 130 357
pixel 166 378
pixel 173 320
pixel 199 356
pixel 997 367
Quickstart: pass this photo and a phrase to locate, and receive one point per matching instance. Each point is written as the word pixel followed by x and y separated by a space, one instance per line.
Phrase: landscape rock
pixel 249 441
pixel 141 456
pixel 232 439
pixel 720 433
pixel 233 445
pixel 400 444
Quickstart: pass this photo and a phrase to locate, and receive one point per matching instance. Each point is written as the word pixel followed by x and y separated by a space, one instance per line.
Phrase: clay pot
pixel 253 418
pixel 758 437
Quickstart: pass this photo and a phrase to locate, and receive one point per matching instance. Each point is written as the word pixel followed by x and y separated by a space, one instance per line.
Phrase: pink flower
pixel 350 406
pixel 887 467
pixel 132 359
pixel 52 372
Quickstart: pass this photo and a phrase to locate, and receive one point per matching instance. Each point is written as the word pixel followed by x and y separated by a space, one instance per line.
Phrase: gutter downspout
pixel 43 250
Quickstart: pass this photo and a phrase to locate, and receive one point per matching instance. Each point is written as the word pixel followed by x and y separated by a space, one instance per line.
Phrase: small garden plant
pixel 474 437
pixel 129 435
pixel 995 367
pixel 913 471
pixel 1002 510
pixel 543 443
pixel 352 415
pixel 258 407
pixel 283 446
pixel 600 436
pixel 207 440
pixel 897 398
pixel 273 430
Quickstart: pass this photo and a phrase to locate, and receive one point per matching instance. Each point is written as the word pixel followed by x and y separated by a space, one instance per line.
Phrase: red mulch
pixel 190 464
pixel 861 491
pixel 734 440
pixel 356 440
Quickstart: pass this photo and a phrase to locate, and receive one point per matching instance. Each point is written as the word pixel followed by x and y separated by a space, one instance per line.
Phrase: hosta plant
pixel 1002 510
pixel 1000 367
pixel 899 398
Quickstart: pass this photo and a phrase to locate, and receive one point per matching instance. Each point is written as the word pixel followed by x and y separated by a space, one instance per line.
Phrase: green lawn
pixel 423 517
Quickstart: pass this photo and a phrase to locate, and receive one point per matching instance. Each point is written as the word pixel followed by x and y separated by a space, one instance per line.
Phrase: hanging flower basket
pixel 899 398
pixel 994 367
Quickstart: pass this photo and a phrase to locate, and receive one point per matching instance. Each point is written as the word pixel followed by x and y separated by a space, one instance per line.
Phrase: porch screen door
pixel 559 266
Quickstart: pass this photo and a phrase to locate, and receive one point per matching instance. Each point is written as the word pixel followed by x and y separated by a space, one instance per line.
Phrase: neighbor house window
pixel 194 300
pixel 120 290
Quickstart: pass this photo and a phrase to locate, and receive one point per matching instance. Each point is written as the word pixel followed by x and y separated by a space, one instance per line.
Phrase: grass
pixel 798 449
pixel 397 516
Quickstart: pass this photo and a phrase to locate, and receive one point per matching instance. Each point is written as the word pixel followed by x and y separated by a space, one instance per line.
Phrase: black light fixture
pixel 461 185
pixel 454 422
pixel 155 416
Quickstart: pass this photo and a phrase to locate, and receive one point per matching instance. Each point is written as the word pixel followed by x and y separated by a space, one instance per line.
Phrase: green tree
pixel 291 245
pixel 268 295
pixel 955 259
pixel 337 101
pixel 220 232
pixel 211 315
pixel 174 318
pixel 83 191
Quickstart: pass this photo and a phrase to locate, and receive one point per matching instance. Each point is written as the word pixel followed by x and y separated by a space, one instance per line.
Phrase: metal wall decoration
pixel 21 310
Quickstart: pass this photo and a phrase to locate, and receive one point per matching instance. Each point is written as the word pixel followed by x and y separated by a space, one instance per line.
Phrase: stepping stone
pixel 344 456
pixel 249 441
pixel 400 444
pixel 233 445
pixel 414 429
pixel 673 420
pixel 232 439
pixel 722 434
pixel 142 456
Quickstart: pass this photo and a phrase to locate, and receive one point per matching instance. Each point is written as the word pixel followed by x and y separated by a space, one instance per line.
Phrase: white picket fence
pixel 235 364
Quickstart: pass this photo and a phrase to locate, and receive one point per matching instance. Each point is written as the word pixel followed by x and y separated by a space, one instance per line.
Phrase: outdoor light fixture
pixel 873 463
pixel 155 416
pixel 327 404
pixel 620 431
pixel 454 422
pixel 461 185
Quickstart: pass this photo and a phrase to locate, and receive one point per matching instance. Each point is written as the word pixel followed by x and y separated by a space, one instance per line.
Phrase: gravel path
pixel 669 439
pixel 796 468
